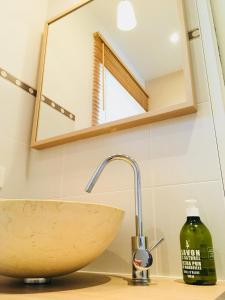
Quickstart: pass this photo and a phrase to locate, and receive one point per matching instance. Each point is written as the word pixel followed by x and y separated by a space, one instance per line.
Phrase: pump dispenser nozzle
pixel 192 209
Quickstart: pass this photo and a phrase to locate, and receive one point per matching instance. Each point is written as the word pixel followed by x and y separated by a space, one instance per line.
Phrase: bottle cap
pixel 192 209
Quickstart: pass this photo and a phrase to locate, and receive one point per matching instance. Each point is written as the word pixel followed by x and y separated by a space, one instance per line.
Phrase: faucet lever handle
pixel 142 259
pixel 156 244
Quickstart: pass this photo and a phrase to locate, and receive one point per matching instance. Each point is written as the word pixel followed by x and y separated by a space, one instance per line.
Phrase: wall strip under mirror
pixel 19 83
pixel 112 79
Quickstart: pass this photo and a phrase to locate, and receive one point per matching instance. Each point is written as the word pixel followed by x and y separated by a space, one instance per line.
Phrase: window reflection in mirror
pixel 118 102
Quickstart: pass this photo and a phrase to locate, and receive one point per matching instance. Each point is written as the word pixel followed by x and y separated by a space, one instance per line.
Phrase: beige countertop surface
pixel 86 286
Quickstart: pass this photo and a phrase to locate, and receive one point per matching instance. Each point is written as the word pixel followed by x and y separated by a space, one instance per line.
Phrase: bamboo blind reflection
pixel 104 56
pixel 97 85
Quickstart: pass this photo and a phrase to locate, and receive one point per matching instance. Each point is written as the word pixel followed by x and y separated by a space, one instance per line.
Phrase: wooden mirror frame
pixel 159 114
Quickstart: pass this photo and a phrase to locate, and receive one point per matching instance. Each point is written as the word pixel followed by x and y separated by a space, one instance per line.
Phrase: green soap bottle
pixel 197 254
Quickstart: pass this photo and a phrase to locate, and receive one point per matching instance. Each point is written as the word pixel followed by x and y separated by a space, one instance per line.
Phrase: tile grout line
pixel 155 231
pixel 184 183
pixel 144 188
pixel 62 171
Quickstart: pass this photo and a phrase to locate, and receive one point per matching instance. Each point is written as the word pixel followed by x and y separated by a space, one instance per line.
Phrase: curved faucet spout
pixel 137 183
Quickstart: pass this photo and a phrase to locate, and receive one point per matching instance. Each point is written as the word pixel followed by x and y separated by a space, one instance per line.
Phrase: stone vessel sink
pixel 48 238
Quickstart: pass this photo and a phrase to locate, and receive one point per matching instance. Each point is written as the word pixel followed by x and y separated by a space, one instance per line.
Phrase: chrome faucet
pixel 141 256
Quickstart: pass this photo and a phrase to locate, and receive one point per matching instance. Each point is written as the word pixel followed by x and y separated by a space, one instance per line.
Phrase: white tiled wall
pixel 178 159
pixel 21 25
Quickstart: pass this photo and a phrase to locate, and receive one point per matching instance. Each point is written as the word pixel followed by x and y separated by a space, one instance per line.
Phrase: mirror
pixel 111 66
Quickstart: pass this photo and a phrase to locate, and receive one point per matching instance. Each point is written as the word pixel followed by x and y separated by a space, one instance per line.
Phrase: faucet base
pixel 140 278
pixel 37 281
pixel 141 260
pixel 140 282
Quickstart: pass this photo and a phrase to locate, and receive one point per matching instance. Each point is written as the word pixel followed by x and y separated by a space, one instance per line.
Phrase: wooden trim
pixel 150 117
pixel 187 107
pixel 39 85
pixel 69 11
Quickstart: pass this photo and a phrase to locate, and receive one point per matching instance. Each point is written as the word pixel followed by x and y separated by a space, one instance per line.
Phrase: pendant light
pixel 126 19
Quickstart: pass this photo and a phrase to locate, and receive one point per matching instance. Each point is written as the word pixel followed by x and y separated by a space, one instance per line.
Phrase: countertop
pixel 86 286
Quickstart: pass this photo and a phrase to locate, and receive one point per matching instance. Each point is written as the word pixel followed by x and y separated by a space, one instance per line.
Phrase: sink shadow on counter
pixel 75 281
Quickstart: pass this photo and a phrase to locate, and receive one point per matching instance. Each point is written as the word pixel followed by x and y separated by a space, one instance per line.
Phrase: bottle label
pixel 191 262
pixel 197 262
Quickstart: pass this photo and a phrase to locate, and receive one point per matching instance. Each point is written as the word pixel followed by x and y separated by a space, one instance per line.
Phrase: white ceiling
pixel 147 47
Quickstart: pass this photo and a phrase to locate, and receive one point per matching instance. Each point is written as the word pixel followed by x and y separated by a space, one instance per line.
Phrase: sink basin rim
pixel 61 201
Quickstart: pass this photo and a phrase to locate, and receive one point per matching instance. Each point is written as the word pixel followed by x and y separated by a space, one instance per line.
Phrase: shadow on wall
pixel 111 262
pixel 175 134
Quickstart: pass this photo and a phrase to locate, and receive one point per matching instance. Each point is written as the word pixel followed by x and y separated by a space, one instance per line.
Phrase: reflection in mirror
pixel 103 65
